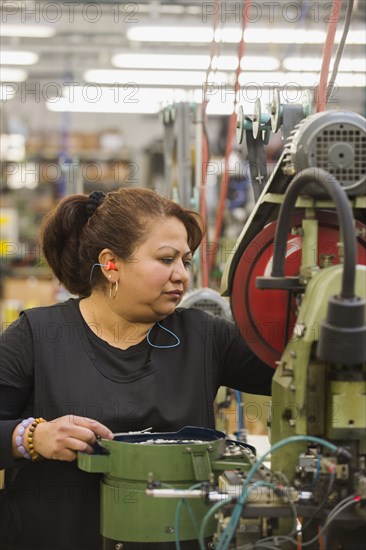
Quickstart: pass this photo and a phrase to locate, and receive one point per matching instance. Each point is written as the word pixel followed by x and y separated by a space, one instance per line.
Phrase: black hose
pixel 346 221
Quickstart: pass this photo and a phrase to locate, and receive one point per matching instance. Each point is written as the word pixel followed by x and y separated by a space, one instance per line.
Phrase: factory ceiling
pixel 67 42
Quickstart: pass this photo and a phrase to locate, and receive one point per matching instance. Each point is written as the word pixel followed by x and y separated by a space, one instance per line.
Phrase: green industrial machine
pixel 311 396
pixel 299 268
pixel 136 464
pixel 319 388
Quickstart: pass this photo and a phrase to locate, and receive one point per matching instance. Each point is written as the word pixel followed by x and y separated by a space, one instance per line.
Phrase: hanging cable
pixel 229 142
pixel 327 54
pixel 205 147
pixel 332 471
pixel 230 528
pixel 339 52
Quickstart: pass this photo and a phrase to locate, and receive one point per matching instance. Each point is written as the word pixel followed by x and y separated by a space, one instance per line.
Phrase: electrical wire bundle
pixel 250 485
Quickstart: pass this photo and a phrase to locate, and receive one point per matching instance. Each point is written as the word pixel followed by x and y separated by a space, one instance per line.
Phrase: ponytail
pixel 60 234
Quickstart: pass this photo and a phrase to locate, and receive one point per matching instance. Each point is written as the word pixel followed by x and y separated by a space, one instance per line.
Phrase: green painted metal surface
pixel 305 399
pixel 128 514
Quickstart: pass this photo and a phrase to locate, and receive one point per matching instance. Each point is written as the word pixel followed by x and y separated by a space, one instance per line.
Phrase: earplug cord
pixel 109 265
pixel 163 347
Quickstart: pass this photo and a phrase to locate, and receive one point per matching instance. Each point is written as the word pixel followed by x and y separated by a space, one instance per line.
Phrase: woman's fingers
pixel 62 438
pixel 68 452
pixel 76 432
pixel 96 427
pixel 78 445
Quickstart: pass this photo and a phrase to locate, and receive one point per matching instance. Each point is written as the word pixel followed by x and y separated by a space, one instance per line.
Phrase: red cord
pixel 327 55
pixel 321 540
pixel 229 144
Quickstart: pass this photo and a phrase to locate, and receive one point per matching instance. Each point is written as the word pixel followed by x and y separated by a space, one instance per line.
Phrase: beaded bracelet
pixel 32 452
pixel 19 438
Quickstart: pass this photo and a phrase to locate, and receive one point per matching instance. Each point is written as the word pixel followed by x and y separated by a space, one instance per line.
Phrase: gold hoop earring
pixel 113 293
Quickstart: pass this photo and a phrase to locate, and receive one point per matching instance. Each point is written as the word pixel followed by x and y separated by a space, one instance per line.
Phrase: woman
pixel 120 357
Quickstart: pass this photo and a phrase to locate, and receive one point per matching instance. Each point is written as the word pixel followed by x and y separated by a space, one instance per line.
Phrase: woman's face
pixel 152 282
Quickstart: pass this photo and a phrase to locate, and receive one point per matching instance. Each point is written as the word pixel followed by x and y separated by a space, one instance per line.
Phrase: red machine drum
pixel 266 317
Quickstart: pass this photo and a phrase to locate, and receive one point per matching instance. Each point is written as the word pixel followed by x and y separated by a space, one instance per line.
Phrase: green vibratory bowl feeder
pixel 176 460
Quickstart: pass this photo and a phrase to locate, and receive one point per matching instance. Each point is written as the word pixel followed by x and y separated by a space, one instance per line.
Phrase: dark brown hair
pixel 71 240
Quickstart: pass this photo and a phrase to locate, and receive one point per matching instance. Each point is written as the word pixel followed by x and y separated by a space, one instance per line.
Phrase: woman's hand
pixel 60 439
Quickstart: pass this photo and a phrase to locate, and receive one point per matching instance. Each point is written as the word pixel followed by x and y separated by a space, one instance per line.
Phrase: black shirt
pixel 52 364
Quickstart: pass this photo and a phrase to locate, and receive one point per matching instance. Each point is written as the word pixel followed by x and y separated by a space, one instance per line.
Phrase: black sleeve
pixel 239 368
pixel 16 383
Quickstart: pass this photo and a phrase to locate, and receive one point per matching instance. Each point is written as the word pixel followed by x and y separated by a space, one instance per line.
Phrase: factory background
pixel 159 94
pixel 84 86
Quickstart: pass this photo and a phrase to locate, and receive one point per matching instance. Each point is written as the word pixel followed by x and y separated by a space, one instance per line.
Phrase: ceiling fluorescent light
pixel 184 34
pixel 12 75
pixel 220 78
pixel 351 80
pixel 141 78
pixel 283 36
pixel 96 93
pixel 224 62
pixel 152 108
pixel 228 34
pixel 297 36
pixel 294 81
pixel 18 58
pixel 259 63
pixel 27 31
pixel 230 63
pixel 160 61
pixel 191 61
pixel 106 99
pixel 133 84
pixel 170 34
pixel 115 99
pixel 353 37
pixel 312 64
pixel 278 79
pixel 233 34
pixel 63 105
pixel 126 99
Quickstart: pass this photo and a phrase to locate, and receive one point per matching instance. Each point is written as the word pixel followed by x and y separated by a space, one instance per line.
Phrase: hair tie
pixel 95 199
